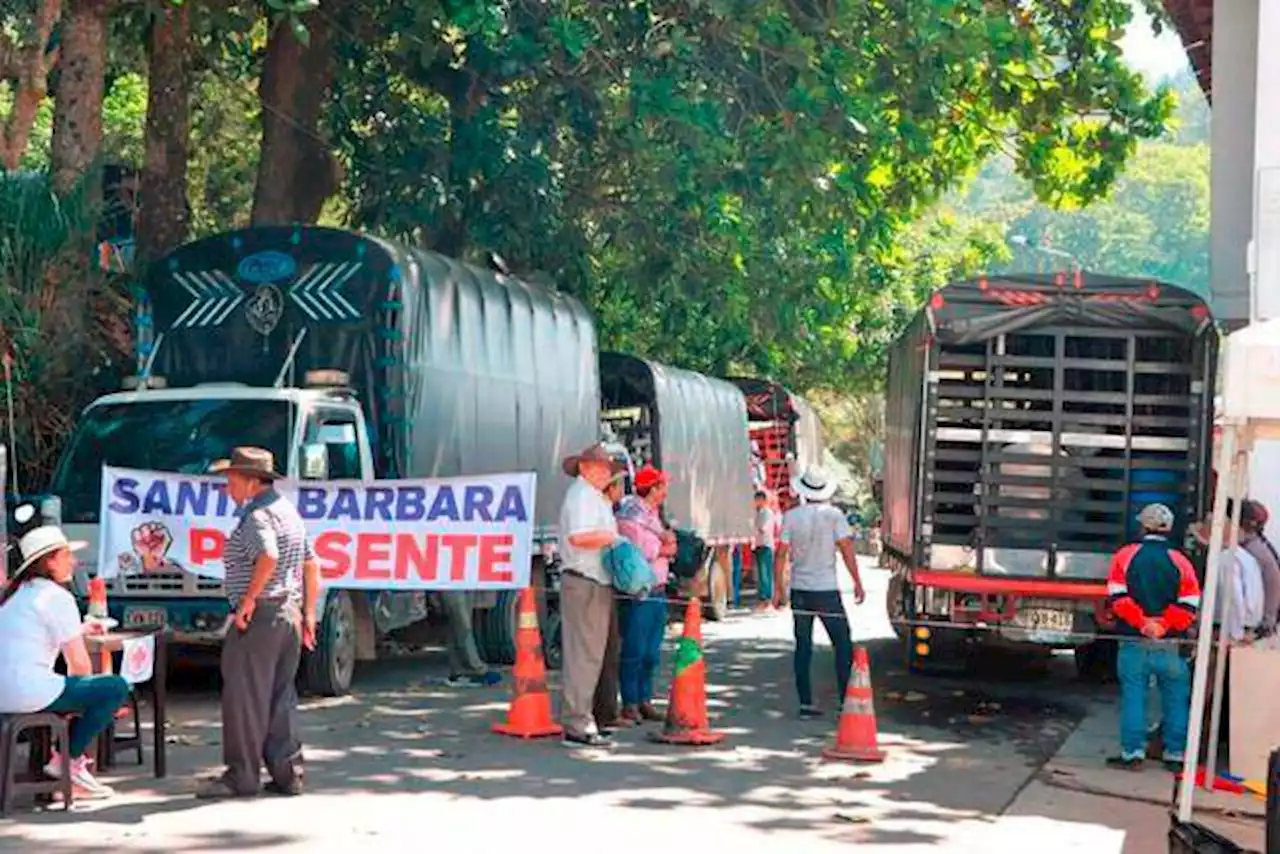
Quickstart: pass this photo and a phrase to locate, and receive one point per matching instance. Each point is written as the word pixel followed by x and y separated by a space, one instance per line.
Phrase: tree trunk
pixel 27 65
pixel 162 223
pixel 77 112
pixel 297 171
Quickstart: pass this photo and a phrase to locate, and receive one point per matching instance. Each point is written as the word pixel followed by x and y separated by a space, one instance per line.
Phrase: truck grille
pixel 174 584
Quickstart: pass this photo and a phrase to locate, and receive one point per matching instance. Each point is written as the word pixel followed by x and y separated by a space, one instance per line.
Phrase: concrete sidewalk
pixel 1076 785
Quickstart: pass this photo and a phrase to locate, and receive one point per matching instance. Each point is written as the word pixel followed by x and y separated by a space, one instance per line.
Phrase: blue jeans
pixel 828 607
pixel 1136 663
pixel 736 576
pixel 644 622
pixel 764 574
pixel 94 701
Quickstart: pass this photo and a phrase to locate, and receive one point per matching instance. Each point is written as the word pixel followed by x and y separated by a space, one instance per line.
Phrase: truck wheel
pixel 552 643
pixel 1096 662
pixel 501 622
pixel 895 607
pixel 328 670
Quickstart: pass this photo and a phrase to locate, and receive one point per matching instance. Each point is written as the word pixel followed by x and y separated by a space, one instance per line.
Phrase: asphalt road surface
pixel 406 763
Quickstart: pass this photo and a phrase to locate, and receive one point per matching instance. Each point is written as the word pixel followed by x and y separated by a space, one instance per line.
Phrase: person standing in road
pixel 813 535
pixel 766 529
pixel 644 617
pixel 466 668
pixel 607 709
pixel 273 582
pixel 1153 592
pixel 587 528
pixel 1253 518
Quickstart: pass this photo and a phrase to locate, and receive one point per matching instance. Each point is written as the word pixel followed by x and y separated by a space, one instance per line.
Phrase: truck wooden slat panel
pixel 1034 433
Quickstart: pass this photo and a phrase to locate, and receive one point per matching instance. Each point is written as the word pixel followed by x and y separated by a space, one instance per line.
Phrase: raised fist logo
pixel 151 541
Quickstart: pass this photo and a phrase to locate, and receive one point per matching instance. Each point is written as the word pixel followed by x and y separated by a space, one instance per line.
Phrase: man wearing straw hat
pixel 814 536
pixel 587 528
pixel 273 582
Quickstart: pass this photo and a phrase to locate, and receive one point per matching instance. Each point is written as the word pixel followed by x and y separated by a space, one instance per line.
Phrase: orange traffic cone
pixel 856 737
pixel 687 721
pixel 530 712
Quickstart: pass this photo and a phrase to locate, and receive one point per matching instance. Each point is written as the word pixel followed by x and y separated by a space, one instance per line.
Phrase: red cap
pixel 649 477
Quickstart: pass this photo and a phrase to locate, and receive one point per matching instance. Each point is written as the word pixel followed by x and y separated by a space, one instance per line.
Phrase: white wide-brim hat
pixel 41 541
pixel 814 485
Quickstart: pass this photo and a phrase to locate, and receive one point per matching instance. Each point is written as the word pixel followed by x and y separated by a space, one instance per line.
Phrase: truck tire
pixel 552 641
pixel 1096 662
pixel 500 621
pixel 895 607
pixel 328 670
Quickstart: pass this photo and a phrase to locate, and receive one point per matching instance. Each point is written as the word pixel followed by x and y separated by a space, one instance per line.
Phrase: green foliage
pixel 61 323
pixel 1154 222
pixel 727 183
pixel 124 112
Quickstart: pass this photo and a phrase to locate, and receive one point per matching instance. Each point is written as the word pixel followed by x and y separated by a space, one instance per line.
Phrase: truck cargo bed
pixel 1028 426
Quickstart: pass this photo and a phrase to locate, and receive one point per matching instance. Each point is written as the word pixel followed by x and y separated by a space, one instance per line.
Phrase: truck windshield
pixel 163 435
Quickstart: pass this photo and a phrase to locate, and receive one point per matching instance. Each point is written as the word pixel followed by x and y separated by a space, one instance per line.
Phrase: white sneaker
pixel 54 767
pixel 86 785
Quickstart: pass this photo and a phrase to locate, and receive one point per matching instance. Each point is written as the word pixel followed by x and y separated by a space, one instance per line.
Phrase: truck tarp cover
pixel 702 441
pixel 462 371
pixel 1029 416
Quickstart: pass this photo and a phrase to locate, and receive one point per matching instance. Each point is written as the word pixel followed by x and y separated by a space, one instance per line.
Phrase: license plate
pixel 1044 619
pixel 135 618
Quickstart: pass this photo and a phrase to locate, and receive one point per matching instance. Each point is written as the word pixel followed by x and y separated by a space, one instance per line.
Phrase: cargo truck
pixel 351 357
pixel 694 428
pixel 1029 419
pixel 348 357
pixel 786 435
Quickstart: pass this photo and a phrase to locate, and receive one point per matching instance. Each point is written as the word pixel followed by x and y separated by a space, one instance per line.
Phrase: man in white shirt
pixel 813 535
pixel 587 528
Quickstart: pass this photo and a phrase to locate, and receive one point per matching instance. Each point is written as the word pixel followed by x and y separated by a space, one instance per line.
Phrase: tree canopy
pixel 732 186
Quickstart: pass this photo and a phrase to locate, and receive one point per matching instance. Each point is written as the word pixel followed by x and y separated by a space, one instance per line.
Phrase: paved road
pixel 406 762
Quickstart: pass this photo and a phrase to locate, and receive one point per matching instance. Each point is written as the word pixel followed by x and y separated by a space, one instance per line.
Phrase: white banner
pixel 466 533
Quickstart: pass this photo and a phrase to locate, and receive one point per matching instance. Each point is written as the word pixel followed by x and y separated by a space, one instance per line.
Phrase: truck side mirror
pixel 315 462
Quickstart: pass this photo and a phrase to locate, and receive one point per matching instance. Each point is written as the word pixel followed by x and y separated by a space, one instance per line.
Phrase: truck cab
pixel 316 432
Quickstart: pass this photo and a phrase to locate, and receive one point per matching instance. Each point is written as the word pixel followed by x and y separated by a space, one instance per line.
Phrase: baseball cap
pixel 1156 517
pixel 648 477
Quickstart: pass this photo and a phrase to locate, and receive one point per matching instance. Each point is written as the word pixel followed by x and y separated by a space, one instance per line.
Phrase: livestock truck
pixel 1029 420
pixel 786 435
pixel 694 428
pixel 348 357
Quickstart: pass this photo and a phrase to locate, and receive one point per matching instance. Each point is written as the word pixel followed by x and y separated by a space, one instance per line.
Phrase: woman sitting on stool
pixel 39 620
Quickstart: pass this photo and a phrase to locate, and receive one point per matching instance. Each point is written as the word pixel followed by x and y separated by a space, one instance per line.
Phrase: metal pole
pixel 1204 641
pixel 1224 641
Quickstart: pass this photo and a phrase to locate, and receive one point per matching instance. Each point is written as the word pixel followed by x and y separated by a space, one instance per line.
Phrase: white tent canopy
pixel 1250 410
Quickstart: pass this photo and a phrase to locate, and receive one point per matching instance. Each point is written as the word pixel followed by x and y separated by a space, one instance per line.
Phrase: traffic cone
pixel 856 738
pixel 687 721
pixel 530 712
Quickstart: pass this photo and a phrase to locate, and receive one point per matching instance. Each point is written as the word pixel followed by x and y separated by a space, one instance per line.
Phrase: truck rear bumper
pixel 1035 612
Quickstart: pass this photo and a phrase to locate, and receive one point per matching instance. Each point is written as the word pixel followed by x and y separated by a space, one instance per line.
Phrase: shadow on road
pixel 960 749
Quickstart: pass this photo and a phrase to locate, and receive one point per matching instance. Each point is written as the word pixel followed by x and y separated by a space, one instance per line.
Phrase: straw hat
pixel 814 485
pixel 254 462
pixel 40 541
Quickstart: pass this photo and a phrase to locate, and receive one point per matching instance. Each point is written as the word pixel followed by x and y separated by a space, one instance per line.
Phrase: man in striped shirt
pixel 273 582
pixel 1154 594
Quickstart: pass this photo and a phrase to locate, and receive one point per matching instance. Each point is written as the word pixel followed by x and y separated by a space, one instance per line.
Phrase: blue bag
pixel 631 573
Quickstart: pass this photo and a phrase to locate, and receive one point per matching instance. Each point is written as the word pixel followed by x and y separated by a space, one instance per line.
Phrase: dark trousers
pixel 605 709
pixel 644 623
pixel 94 701
pixel 259 700
pixel 828 607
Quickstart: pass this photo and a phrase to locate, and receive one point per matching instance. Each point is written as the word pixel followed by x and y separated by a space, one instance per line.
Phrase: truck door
pixel 335 434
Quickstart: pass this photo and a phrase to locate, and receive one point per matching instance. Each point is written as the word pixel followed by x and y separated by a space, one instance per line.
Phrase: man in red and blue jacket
pixel 1154 593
